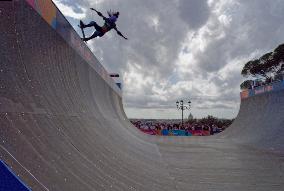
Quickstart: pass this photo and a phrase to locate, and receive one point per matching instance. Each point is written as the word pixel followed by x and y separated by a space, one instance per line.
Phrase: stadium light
pixel 182 107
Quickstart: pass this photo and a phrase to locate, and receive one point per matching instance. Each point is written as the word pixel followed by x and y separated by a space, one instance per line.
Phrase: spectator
pixel 202 127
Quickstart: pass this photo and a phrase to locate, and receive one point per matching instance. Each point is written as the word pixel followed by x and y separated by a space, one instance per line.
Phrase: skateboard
pixel 82 29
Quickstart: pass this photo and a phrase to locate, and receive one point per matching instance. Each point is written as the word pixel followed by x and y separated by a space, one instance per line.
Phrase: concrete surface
pixel 62 127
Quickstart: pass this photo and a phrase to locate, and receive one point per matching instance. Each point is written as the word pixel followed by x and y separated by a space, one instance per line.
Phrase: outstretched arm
pixel 99 13
pixel 120 34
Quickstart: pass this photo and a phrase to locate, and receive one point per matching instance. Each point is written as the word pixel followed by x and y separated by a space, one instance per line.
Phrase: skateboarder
pixel 108 25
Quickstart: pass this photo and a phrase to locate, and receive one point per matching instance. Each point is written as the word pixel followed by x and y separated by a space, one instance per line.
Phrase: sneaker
pixel 82 25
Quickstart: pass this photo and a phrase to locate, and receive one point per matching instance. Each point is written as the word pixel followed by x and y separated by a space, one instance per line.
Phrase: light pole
pixel 180 105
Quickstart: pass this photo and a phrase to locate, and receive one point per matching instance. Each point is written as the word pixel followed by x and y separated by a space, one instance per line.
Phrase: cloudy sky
pixel 182 49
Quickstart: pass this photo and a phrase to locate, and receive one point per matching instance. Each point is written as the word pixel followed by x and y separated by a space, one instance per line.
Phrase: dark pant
pixel 97 33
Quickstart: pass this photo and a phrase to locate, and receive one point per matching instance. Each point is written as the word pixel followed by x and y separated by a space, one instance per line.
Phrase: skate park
pixel 63 126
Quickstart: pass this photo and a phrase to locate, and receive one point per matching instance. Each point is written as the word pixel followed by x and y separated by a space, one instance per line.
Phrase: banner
pixel 276 86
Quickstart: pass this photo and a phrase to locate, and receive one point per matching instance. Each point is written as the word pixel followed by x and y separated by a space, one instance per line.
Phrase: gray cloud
pixel 184 48
pixel 253 27
pixel 194 12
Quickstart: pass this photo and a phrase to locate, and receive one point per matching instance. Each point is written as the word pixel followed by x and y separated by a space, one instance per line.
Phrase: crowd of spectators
pixel 203 127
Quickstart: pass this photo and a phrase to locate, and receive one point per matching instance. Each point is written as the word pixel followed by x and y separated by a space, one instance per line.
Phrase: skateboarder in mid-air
pixel 100 31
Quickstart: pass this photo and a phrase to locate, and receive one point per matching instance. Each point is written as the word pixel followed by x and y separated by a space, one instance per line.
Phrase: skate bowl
pixel 63 127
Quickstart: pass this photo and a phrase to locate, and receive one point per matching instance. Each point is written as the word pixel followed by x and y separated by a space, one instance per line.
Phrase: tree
pixel 248 67
pixel 246 84
pixel 278 59
pixel 264 68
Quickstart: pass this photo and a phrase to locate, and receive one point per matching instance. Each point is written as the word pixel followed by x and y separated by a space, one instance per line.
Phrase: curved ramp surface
pixel 62 124
pixel 260 122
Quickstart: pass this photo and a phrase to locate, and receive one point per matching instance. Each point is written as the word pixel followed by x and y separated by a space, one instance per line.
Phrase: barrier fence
pixel 276 86
pixel 166 132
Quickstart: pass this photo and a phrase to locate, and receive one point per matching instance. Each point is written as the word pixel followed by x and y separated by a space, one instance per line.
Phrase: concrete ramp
pixel 260 122
pixel 62 124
